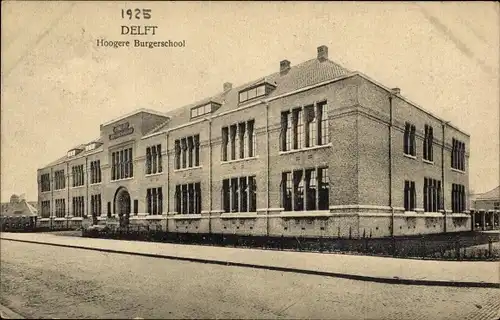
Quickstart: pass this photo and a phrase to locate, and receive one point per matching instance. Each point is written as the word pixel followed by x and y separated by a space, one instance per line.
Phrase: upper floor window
pixel 240 140
pixel 187 152
pixel 153 160
pixel 122 164
pixel 45 182
pixel 255 92
pixel 59 180
pixel 409 139
pixel 154 200
pixel 458 155
pixel 305 189
pixel 239 194
pixel 428 143
pixel 90 147
pixel 305 127
pixel 95 171
pixel 78 175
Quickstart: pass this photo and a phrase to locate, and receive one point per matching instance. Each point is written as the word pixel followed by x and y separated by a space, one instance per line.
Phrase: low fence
pixel 463 246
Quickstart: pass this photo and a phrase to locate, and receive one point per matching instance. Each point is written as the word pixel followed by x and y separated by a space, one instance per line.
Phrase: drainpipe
pixel 52 204
pixel 391 123
pixel 66 214
pixel 210 175
pixel 443 125
pixel 267 165
pixel 168 179
pixel 87 188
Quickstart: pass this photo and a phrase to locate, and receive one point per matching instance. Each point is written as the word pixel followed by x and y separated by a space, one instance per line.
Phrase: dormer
pixel 204 109
pixel 91 146
pixel 74 152
pixel 255 91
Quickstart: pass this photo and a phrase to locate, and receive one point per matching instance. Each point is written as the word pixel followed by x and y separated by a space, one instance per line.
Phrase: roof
pixel 305 74
pixel 490 195
pixel 20 208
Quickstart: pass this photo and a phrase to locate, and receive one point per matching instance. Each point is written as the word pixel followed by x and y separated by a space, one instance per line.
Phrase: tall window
pixel 45 182
pixel 305 127
pixel 306 189
pixel 96 205
pixel 153 160
pixel 78 175
pixel 188 198
pixel 239 194
pixel 78 206
pixel 122 164
pixel 154 199
pixel 409 139
pixel 95 171
pixel 187 152
pixel 45 209
pixel 457 198
pixel 311 127
pixel 432 195
pixel 59 180
pixel 298 126
pixel 428 143
pixel 458 155
pixel 60 208
pixel 240 139
pixel 410 196
pixel 323 129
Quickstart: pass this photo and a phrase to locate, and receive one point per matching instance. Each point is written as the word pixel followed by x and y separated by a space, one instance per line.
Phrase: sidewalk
pixel 367 268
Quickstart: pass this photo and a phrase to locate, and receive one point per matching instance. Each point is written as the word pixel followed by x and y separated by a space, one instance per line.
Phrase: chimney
pixel 284 66
pixel 396 90
pixel 228 86
pixel 322 53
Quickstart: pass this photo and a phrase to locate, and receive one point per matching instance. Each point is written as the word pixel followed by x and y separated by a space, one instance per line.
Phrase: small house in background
pixel 18 213
pixel 486 209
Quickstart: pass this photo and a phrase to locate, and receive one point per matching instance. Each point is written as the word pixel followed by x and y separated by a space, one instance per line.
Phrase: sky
pixel 58 86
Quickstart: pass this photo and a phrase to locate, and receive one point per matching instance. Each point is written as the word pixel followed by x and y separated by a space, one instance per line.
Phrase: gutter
pixel 267 164
pixel 391 124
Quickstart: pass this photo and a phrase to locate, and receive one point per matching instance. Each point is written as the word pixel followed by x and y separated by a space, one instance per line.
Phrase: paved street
pixel 54 282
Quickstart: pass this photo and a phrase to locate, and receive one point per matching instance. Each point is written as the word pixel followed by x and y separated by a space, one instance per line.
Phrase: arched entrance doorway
pixel 122 205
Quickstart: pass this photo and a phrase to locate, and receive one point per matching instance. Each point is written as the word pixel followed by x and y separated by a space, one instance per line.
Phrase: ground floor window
pixel 457 198
pixel 45 209
pixel 239 194
pixel 60 208
pixel 305 189
pixel 154 200
pixel 78 206
pixel 96 205
pixel 188 198
pixel 432 195
pixel 409 195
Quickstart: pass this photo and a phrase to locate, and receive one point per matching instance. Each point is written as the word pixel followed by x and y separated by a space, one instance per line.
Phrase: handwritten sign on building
pixel 121 130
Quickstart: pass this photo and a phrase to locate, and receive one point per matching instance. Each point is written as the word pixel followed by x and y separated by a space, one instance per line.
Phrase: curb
pixel 395 280
pixel 6 313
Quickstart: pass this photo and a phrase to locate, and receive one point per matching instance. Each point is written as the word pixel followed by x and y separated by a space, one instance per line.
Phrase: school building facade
pixel 310 150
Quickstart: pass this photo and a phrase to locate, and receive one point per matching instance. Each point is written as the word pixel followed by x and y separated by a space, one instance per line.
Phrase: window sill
pixel 186 216
pixel 153 174
pixel 457 170
pixel 328 145
pixel 239 215
pixel 410 156
pixel 187 169
pixel 124 179
pixel 60 189
pixel 239 160
pixel 95 184
pixel 428 161
pixel 77 187
pixel 45 191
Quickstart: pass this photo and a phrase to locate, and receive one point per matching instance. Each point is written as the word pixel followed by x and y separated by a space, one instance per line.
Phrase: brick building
pixel 312 149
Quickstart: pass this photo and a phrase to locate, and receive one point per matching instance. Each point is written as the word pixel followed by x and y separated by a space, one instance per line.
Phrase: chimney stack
pixel 396 90
pixel 284 66
pixel 322 53
pixel 228 86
